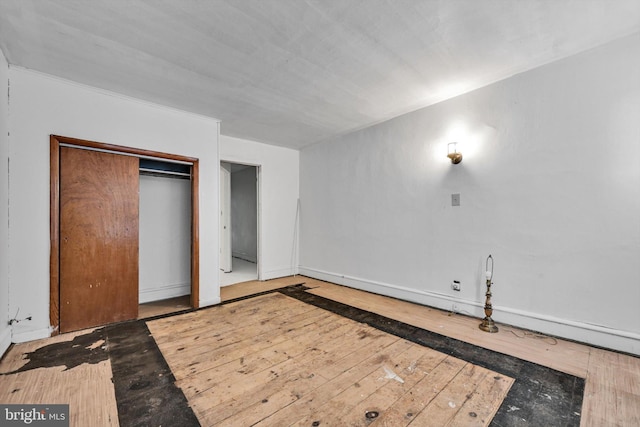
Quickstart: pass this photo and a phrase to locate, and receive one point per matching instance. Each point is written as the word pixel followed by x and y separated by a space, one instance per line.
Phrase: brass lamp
pixel 488 325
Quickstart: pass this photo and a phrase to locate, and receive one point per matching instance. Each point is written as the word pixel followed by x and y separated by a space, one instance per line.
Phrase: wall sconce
pixel 453 153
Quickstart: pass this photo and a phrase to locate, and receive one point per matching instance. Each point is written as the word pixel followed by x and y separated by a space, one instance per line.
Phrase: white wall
pixel 244 214
pixel 165 238
pixel 5 331
pixel 278 194
pixel 42 105
pixel 549 184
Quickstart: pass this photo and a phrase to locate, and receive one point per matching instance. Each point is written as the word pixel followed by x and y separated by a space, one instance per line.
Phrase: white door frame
pixel 225 217
pixel 258 213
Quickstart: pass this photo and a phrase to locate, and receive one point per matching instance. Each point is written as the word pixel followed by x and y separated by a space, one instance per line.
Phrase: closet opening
pixel 164 237
pixel 124 233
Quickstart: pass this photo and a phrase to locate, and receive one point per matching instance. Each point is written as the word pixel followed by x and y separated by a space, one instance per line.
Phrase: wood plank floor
pixel 178 304
pixel 612 391
pixel 87 388
pixel 228 293
pixel 273 360
pixel 611 396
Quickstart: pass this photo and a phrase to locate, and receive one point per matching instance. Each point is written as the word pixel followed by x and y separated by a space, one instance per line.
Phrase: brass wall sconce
pixel 488 325
pixel 453 153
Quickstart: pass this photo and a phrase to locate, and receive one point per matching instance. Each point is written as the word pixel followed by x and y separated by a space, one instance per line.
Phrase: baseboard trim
pixel 278 272
pixel 5 340
pixel 164 292
pixel 30 335
pixel 587 333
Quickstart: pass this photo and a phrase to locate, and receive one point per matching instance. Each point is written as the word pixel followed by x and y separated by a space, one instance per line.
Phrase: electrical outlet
pixel 455 285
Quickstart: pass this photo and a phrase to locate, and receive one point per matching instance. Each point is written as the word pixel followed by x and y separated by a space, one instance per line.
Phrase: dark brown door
pixel 98 238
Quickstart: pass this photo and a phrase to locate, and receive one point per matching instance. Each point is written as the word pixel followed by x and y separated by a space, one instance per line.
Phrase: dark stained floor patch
pixel 540 396
pixel 82 349
pixel 145 388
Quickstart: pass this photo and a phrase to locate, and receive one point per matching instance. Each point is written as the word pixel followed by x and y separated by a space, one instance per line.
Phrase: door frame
pixel 55 142
pixel 258 209
pixel 226 262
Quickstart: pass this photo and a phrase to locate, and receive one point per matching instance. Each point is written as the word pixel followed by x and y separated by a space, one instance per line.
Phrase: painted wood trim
pixel 195 235
pixel 54 231
pixel 54 216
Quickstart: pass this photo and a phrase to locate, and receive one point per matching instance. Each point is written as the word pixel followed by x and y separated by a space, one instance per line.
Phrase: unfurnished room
pixel 320 213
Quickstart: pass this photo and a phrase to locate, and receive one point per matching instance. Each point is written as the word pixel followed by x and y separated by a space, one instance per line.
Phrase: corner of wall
pixel 5 340
pixel 5 329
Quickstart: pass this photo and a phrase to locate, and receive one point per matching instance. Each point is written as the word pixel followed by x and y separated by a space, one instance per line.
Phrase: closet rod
pixel 140 156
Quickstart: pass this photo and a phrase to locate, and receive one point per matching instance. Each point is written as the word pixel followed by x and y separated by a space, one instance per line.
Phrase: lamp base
pixel 488 325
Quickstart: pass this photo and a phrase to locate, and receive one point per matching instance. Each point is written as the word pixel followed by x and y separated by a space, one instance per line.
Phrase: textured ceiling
pixel 295 72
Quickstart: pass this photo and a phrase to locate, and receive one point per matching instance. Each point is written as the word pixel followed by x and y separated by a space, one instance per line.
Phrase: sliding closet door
pixel 98 238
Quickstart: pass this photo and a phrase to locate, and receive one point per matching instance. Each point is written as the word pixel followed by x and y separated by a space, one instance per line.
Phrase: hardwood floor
pixel 178 304
pixel 274 360
pixel 611 391
pixel 239 290
pixel 87 387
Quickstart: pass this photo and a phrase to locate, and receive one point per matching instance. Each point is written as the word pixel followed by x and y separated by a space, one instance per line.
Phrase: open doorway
pixel 239 223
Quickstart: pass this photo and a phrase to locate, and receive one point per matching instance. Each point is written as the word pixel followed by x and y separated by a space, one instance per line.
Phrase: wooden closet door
pixel 98 238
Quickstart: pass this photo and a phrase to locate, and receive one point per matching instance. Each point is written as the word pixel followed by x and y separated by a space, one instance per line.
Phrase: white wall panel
pixel 5 330
pixel 165 238
pixel 549 185
pixel 278 200
pixel 42 105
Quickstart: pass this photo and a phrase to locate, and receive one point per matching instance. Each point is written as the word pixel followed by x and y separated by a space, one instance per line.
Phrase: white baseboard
pixel 30 335
pixel 278 272
pixel 600 336
pixel 5 340
pixel 164 292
